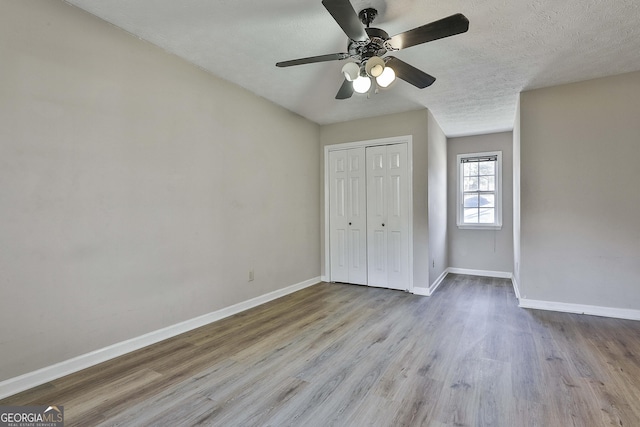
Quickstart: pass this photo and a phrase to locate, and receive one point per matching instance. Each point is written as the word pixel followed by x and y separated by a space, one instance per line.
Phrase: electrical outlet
pixel 251 275
pixel 433 263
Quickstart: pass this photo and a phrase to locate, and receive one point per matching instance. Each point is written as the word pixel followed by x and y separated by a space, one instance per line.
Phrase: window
pixel 480 190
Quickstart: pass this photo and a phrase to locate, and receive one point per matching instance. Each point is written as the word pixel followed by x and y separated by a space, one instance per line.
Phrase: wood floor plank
pixel 374 411
pixel 531 414
pixel 419 402
pixel 110 397
pixel 345 355
pixel 273 400
pixel 147 410
pixel 526 369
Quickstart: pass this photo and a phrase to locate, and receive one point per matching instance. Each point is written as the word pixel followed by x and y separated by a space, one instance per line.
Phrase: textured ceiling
pixel 511 46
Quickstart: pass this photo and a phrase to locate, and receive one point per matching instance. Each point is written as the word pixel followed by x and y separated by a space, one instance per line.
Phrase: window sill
pixel 479 227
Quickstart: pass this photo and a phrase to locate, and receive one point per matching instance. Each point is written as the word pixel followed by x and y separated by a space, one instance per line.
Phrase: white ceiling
pixel 511 46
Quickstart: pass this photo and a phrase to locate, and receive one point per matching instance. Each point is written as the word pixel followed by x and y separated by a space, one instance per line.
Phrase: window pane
pixel 487 168
pixel 471 184
pixel 470 169
pixel 470 200
pixel 487 200
pixel 487 183
pixel 478 189
pixel 487 216
pixel 471 216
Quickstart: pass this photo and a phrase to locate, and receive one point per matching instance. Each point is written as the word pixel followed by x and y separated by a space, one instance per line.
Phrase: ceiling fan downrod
pixel 367 16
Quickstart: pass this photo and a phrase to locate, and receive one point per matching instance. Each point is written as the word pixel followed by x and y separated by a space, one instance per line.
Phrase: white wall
pixel 489 250
pixel 580 202
pixel 410 123
pixel 136 190
pixel 437 201
pixel 516 198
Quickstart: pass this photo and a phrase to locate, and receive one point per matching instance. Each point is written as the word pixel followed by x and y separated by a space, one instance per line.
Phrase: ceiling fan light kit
pixel 387 77
pixel 362 84
pixel 374 66
pixel 367 46
pixel 351 71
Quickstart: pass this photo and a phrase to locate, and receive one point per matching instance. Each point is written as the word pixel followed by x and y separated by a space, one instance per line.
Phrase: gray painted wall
pixel 437 197
pixel 580 234
pixel 136 191
pixel 516 198
pixel 410 123
pixel 490 250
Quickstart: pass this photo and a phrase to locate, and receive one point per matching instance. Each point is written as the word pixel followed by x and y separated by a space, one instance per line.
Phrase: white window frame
pixel 497 225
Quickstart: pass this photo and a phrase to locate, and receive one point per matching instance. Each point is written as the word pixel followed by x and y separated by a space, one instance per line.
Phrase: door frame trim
pixel 403 139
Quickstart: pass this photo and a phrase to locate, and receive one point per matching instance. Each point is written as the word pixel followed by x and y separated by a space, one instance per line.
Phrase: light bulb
pixel 374 66
pixel 387 77
pixel 362 84
pixel 377 70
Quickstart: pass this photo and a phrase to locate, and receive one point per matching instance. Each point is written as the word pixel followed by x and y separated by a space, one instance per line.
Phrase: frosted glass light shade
pixel 387 77
pixel 351 71
pixel 374 66
pixel 362 84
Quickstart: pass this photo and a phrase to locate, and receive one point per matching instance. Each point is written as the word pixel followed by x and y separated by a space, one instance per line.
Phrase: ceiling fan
pixel 367 46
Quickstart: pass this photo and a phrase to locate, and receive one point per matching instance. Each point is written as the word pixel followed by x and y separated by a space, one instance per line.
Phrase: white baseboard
pixel 516 287
pixel 483 273
pixel 438 281
pixel 32 379
pixel 593 310
pixel 421 291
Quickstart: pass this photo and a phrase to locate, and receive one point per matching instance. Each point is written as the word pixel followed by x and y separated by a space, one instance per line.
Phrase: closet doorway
pixel 368 213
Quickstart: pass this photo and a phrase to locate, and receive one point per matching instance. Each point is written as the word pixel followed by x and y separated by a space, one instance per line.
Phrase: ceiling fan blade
pixel 409 73
pixel 346 90
pixel 347 18
pixel 312 59
pixel 445 27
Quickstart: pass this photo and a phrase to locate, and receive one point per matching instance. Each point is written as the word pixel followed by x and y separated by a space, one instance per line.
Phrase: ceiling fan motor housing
pixel 376 45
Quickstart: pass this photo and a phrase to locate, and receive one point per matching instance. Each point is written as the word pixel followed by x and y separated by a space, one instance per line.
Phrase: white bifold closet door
pixel 347 216
pixel 388 216
pixel 369 216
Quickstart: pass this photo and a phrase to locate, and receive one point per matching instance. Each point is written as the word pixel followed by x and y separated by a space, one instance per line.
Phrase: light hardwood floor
pixel 346 355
